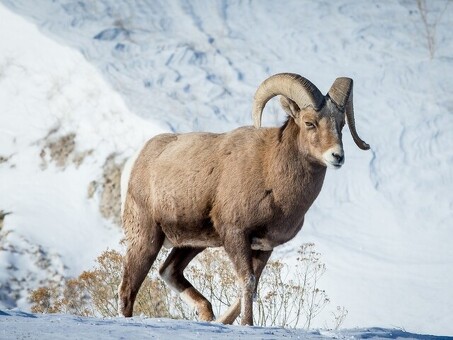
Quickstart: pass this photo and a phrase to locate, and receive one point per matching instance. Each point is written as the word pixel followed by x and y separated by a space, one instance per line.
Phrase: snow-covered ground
pixel 109 74
pixel 21 325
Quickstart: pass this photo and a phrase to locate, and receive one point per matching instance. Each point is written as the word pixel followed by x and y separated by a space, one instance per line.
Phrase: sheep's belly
pixel 262 244
pixel 175 237
pixel 257 244
pixel 195 243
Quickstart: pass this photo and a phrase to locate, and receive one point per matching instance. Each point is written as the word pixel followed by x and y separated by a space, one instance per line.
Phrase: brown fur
pixel 247 190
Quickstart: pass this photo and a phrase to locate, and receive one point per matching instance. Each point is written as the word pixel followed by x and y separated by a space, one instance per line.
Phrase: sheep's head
pixel 320 118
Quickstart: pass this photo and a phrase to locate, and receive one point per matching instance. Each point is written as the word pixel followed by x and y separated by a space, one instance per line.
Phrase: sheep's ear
pixel 290 107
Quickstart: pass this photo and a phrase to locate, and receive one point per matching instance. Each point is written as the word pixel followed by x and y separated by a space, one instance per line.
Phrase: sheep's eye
pixel 309 125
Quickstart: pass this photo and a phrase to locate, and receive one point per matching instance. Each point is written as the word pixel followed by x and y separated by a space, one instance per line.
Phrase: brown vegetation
pixel 290 297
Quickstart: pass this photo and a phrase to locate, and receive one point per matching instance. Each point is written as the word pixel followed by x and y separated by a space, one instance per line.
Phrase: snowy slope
pixel 382 223
pixel 19 325
pixel 47 92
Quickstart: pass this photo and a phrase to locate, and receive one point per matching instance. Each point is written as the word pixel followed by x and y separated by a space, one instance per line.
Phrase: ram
pixel 247 190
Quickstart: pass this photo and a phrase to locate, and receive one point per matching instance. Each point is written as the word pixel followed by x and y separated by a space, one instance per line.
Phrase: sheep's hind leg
pixel 259 259
pixel 171 272
pixel 144 239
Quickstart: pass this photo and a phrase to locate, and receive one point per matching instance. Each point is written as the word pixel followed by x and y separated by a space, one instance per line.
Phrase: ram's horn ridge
pixel 341 94
pixel 293 86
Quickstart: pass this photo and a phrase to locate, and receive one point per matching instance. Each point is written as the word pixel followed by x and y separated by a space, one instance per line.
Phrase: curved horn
pixel 341 94
pixel 290 85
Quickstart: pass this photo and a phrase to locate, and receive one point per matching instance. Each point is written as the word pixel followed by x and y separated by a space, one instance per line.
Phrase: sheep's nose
pixel 338 157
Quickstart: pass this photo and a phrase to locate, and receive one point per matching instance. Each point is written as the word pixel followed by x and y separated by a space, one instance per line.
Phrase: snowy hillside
pixel 20 325
pixel 80 93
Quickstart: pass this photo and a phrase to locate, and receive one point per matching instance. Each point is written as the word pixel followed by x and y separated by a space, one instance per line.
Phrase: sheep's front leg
pixel 238 248
pixel 259 259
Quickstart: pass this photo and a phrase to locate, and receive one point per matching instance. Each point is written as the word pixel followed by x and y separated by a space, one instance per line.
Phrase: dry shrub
pixel 5 159
pixel 430 26
pixel 110 203
pixel 108 189
pixel 94 292
pixel 72 299
pixel 44 300
pixel 61 150
pixel 338 316
pixel 3 214
pixel 288 296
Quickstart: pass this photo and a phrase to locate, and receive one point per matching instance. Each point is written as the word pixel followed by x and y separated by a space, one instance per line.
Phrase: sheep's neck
pixel 300 179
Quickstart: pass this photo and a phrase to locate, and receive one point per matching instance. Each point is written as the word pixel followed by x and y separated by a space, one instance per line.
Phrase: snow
pixel 118 72
pixel 17 324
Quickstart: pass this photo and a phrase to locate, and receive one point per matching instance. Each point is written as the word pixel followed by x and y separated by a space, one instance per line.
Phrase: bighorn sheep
pixel 246 190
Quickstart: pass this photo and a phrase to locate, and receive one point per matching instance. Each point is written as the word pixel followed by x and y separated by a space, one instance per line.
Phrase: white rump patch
pixel 126 174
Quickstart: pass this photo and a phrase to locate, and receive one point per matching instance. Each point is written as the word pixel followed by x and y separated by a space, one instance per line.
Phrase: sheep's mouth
pixel 334 157
pixel 334 165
